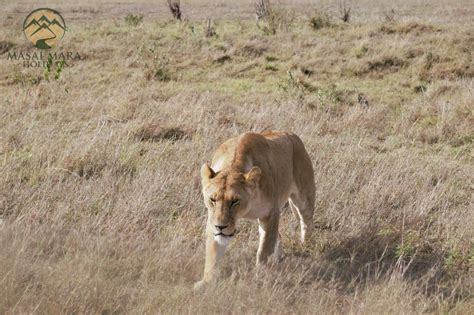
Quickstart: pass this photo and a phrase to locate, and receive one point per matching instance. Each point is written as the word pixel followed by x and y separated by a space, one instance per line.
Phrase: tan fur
pixel 252 177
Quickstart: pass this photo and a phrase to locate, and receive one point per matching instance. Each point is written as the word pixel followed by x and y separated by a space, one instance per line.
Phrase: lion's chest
pixel 258 209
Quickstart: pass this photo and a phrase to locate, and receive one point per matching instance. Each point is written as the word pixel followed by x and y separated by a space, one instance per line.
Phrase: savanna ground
pixel 100 211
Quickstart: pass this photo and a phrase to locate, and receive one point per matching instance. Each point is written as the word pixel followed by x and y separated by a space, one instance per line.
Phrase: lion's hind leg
pixel 303 210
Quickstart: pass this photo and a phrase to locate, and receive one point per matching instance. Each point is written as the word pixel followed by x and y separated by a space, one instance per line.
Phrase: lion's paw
pixel 200 285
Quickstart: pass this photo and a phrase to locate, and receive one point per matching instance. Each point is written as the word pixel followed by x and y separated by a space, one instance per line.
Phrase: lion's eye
pixel 234 202
pixel 212 200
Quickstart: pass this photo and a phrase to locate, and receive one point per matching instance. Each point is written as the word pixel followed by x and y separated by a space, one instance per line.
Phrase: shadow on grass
pixel 376 254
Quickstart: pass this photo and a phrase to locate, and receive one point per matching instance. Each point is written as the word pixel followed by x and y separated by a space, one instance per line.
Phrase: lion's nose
pixel 221 227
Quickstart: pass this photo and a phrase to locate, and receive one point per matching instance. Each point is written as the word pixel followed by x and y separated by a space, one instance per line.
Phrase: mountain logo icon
pixel 44 28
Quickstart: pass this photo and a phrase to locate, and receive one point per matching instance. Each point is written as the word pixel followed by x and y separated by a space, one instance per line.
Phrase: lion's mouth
pixel 226 235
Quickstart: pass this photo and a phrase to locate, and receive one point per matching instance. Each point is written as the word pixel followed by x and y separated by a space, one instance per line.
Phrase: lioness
pixel 252 176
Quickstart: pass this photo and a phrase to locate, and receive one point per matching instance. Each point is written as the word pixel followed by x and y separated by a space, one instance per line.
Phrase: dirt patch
pixel 221 59
pixel 412 27
pixel 154 132
pixel 386 64
pixel 417 28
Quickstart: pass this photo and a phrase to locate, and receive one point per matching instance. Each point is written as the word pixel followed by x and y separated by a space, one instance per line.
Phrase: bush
pixel 161 71
pixel 320 20
pixel 275 18
pixel 344 11
pixel 175 8
pixel 210 29
pixel 133 20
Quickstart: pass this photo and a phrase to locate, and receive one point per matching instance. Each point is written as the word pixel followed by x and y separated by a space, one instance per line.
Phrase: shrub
pixel 52 66
pixel 261 9
pixel 161 70
pixel 320 20
pixel 156 65
pixel 271 67
pixel 389 16
pixel 361 51
pixel 175 8
pixel 344 11
pixel 210 30
pixel 133 20
pixel 274 18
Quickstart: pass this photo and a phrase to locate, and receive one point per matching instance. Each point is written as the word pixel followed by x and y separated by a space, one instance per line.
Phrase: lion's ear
pixel 253 176
pixel 206 173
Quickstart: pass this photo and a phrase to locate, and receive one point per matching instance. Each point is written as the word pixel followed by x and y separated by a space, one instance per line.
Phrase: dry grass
pixel 99 211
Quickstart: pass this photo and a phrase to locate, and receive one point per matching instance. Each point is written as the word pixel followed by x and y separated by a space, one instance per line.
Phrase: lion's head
pixel 226 195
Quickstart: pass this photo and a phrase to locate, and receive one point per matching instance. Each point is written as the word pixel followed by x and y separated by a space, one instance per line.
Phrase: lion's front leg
pixel 268 230
pixel 214 251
